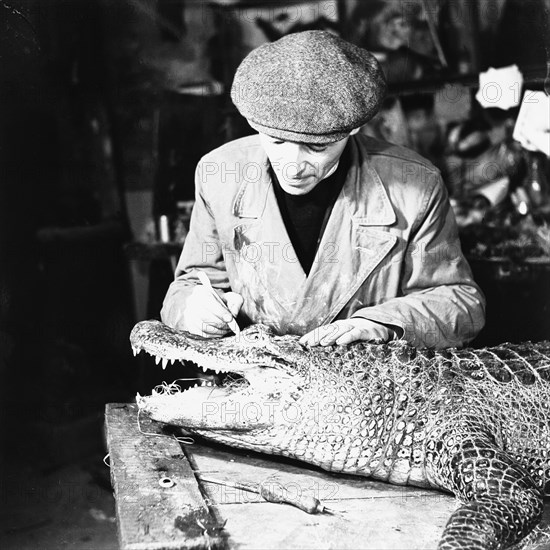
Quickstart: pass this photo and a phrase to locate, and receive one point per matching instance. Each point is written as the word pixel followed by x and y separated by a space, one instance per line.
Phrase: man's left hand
pixel 347 331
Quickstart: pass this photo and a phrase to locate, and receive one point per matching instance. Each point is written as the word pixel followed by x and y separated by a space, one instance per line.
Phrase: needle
pixel 203 278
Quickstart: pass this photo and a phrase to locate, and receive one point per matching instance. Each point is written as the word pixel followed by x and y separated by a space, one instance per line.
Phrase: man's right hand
pixel 205 316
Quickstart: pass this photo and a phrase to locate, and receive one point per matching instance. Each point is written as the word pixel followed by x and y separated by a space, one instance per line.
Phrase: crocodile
pixel 474 422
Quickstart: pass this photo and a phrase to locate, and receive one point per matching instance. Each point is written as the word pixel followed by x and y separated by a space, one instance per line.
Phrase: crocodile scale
pixel 475 422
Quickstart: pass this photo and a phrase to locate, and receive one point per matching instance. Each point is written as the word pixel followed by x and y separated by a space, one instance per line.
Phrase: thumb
pixel 234 302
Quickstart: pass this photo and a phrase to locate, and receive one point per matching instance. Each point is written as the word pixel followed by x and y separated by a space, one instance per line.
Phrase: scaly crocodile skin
pixel 473 422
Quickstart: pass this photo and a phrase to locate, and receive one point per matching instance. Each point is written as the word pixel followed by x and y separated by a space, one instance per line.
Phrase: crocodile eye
pixel 254 337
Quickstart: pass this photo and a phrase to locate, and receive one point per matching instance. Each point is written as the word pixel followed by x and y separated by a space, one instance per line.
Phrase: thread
pixel 182 439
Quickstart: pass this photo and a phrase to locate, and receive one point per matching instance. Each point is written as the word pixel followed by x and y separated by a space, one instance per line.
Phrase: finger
pixel 234 302
pixel 349 337
pixel 213 334
pixel 373 336
pixel 204 300
pixel 314 337
pixel 219 311
pixel 198 330
pixel 334 334
pixel 308 339
pixel 214 312
pixel 319 335
pixel 214 328
pixel 207 313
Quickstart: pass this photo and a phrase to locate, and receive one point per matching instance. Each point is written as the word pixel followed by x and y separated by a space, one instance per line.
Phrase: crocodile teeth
pixel 157 359
pixel 164 362
pixel 135 350
pixel 172 361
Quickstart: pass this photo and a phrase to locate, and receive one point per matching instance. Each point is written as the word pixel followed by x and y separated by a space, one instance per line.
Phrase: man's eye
pixel 317 148
pixel 277 142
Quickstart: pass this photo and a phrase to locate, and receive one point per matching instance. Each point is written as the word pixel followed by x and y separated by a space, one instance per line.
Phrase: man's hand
pixel 205 316
pixel 347 331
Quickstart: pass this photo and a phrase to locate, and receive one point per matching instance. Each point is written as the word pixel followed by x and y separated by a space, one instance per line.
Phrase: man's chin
pixel 298 187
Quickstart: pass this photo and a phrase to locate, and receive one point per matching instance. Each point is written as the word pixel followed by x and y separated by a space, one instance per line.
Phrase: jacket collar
pixel 365 196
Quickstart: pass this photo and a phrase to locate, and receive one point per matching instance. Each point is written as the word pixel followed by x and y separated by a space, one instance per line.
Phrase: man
pixel 314 229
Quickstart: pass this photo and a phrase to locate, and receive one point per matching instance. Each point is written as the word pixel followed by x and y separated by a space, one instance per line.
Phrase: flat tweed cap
pixel 310 87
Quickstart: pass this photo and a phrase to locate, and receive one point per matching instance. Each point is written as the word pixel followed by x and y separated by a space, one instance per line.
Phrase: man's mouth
pixel 301 177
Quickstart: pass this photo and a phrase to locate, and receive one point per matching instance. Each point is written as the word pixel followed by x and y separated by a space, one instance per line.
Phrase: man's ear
pixel 353 132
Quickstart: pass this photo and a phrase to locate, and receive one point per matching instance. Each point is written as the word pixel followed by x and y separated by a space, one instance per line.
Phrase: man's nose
pixel 296 156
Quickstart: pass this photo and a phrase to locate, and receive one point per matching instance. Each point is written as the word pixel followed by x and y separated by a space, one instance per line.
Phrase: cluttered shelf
pixel 534 78
pixel 511 264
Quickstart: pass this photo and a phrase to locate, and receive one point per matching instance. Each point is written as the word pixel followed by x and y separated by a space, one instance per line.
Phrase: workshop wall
pixel 65 301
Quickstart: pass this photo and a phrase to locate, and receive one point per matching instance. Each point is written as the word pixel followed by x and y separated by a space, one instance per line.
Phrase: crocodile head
pixel 265 374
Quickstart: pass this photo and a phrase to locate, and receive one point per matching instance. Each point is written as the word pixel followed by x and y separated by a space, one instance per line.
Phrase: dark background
pixel 98 115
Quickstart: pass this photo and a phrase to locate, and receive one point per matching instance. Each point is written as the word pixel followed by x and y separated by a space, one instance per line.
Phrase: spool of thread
pixel 164 229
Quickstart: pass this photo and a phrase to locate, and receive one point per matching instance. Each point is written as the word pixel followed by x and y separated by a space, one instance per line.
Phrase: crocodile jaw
pixel 255 402
pixel 238 354
pixel 204 408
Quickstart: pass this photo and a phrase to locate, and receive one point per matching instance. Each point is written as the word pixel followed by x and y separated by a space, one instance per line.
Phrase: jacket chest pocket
pixel 244 245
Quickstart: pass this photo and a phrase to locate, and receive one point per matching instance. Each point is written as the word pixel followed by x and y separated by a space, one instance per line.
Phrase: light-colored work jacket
pixel 390 251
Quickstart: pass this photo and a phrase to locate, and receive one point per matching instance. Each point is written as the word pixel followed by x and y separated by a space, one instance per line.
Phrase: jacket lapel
pixel 271 277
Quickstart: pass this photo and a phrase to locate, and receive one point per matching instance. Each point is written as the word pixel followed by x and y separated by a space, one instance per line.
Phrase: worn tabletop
pixel 162 503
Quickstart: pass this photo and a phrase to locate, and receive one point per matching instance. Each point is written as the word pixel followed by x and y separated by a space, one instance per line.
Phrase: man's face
pixel 301 166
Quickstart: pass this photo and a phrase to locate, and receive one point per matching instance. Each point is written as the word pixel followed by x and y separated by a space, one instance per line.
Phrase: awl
pixel 276 492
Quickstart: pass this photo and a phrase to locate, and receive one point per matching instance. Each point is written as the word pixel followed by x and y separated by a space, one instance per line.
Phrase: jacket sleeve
pixel 440 305
pixel 202 250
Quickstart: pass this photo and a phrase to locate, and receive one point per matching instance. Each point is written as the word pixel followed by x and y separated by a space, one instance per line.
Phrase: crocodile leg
pixel 501 502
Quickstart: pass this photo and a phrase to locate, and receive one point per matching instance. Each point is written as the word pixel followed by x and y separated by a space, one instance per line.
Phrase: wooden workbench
pixel 196 514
